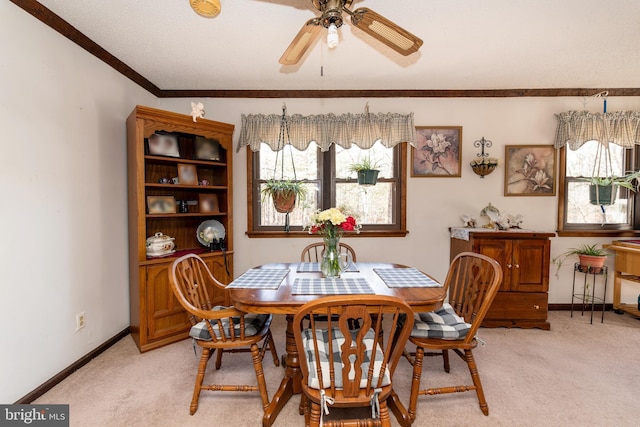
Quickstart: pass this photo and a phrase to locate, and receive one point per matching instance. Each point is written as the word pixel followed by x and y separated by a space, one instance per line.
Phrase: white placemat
pixel 405 278
pixel 325 286
pixel 260 278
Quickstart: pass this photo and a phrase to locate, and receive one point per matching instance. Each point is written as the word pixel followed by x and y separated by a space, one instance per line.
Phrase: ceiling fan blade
pixel 303 40
pixel 386 31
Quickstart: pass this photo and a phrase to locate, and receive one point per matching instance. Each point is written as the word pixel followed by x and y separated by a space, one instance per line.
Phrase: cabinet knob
pixel 536 306
pixel 517 265
pixel 508 265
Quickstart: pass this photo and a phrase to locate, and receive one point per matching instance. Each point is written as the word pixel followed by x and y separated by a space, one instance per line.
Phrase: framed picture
pixel 163 145
pixel 208 203
pixel 161 204
pixel 438 152
pixel 207 149
pixel 187 174
pixel 529 170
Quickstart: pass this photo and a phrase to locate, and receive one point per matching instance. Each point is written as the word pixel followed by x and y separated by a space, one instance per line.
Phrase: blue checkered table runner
pixel 260 278
pixel 314 267
pixel 405 278
pixel 325 286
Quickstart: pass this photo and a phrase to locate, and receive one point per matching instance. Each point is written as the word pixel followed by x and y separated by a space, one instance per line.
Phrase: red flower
pixel 349 224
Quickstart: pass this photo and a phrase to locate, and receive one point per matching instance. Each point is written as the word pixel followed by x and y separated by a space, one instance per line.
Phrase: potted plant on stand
pixel 367 171
pixel 591 258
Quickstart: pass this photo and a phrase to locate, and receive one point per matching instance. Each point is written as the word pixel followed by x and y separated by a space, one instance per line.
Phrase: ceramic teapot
pixel 159 245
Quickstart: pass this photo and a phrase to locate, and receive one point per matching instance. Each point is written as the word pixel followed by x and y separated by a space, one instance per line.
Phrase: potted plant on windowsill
pixel 284 193
pixel 602 190
pixel 591 258
pixel 367 171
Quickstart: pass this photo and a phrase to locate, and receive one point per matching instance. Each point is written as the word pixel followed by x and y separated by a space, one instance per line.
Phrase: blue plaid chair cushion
pixel 443 323
pixel 253 323
pixel 322 339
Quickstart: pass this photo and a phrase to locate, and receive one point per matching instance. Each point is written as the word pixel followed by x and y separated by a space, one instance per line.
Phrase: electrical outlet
pixel 80 321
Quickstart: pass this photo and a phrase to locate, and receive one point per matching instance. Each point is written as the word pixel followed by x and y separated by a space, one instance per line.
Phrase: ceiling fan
pixel 366 19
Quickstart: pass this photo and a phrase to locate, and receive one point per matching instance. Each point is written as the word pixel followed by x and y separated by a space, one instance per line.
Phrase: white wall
pixel 63 215
pixel 434 204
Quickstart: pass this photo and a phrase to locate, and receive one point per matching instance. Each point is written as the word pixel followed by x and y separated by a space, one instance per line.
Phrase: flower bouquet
pixel 331 224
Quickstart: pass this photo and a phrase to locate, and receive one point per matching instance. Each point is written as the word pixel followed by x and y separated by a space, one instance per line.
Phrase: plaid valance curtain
pixel 577 127
pixel 363 130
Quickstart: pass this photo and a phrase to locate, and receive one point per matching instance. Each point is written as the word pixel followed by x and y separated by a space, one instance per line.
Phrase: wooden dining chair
pixel 472 281
pixel 191 282
pixel 350 379
pixel 313 252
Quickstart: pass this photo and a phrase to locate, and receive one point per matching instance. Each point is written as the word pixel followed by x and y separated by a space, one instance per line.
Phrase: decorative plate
pixel 210 231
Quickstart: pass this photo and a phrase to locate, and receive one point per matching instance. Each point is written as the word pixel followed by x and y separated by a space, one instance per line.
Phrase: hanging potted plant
pixel 591 258
pixel 367 171
pixel 603 190
pixel 284 193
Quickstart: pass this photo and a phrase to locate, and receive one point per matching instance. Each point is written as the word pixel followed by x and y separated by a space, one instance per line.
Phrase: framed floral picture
pixel 530 170
pixel 438 152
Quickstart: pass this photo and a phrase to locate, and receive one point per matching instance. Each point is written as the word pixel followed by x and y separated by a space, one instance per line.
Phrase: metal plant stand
pixel 589 298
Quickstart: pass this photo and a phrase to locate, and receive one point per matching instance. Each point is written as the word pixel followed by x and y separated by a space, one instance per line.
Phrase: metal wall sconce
pixel 484 165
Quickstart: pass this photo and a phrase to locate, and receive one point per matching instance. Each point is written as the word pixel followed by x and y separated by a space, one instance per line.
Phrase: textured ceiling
pixel 468 44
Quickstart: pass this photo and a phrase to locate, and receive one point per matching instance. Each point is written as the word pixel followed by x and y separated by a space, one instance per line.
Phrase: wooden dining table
pixel 284 296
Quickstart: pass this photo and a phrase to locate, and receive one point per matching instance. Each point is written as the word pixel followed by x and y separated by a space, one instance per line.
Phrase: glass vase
pixel 330 266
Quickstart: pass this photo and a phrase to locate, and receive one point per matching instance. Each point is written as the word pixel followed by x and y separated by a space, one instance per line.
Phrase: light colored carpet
pixel 577 374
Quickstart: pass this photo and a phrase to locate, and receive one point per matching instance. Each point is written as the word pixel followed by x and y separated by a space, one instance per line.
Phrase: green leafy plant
pixel 590 250
pixel 630 181
pixel 285 187
pixel 364 164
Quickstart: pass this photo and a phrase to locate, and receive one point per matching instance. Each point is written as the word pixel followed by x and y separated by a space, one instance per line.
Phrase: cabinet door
pixel 530 266
pixel 500 250
pixel 165 316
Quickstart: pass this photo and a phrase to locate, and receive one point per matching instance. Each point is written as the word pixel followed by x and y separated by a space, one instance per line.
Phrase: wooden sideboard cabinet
pixel 156 317
pixel 522 300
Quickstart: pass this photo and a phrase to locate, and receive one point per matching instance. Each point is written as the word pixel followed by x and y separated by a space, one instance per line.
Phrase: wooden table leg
pixel 291 383
pixel 398 409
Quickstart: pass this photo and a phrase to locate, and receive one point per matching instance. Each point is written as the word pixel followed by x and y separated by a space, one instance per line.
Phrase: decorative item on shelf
pixel 183 207
pixel 591 258
pixel 207 149
pixel 164 181
pixel 197 110
pixel 484 165
pixel 469 221
pixel 492 213
pixel 284 192
pixel 211 233
pixel 160 245
pixel 162 144
pixel 331 225
pixel 203 182
pixel 367 171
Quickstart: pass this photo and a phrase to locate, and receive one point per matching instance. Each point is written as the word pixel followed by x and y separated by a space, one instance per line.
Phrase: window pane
pixel 581 211
pixel 306 162
pixel 581 161
pixel 372 204
pixel 592 159
pixel 378 154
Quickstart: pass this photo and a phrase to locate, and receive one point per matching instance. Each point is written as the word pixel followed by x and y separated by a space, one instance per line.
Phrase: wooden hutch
pixel 522 300
pixel 156 316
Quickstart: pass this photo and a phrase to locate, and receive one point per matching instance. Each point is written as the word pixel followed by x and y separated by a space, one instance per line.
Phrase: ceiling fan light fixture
pixel 332 36
pixel 206 8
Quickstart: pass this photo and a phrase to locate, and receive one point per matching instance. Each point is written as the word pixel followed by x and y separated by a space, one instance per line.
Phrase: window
pixel 380 208
pixel 577 215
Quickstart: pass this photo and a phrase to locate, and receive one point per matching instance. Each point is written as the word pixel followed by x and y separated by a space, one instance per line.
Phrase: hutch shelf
pixel 522 300
pixel 156 316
